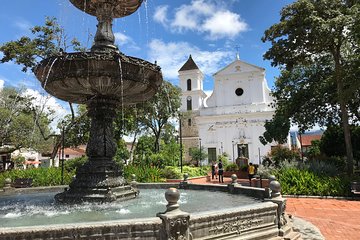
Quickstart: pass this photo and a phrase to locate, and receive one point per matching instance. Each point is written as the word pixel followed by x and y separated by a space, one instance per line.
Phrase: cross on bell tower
pixel 237 47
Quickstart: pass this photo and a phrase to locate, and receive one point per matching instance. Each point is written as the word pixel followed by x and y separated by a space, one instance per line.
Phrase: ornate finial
pixel 233 178
pixel 275 189
pixel 172 196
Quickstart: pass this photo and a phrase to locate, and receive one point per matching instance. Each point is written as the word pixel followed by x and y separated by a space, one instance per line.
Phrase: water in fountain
pixel 41 209
pixel 48 73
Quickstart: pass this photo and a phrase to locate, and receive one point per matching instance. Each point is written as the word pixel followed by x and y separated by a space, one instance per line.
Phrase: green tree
pixel 122 153
pixel 17 123
pixel 48 40
pixel 316 44
pixel 280 154
pixel 314 150
pixel 77 127
pixel 197 155
pixel 276 129
pixel 169 146
pixel 332 143
pixel 144 149
pixel 156 113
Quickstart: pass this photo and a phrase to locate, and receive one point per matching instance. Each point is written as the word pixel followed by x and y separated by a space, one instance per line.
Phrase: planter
pixel 239 174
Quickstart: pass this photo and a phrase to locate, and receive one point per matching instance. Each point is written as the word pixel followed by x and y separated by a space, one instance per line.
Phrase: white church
pixel 231 119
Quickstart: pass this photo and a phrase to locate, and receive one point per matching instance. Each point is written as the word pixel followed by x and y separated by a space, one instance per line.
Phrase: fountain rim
pixel 98 56
pixel 123 11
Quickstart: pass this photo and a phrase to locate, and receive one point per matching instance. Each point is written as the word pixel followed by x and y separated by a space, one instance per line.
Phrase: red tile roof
pixel 306 139
pixel 73 151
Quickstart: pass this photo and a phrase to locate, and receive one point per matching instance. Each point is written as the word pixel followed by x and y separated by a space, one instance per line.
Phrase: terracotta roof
pixel 189 65
pixel 32 162
pixel 73 151
pixel 306 139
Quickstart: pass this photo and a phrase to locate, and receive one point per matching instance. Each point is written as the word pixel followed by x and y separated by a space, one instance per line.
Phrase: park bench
pixel 355 188
pixel 22 183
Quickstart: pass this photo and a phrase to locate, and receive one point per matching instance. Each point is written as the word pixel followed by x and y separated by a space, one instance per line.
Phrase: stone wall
pixel 256 221
pixel 147 229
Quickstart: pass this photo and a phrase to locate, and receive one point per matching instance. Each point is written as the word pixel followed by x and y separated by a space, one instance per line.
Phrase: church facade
pixel 232 118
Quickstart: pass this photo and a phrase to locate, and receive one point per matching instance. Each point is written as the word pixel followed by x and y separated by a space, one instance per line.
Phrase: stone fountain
pixel 104 79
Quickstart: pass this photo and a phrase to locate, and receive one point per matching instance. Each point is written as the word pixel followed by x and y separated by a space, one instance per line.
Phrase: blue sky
pixel 212 31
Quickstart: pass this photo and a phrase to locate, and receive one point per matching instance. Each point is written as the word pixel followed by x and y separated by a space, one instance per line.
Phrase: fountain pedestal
pixel 100 178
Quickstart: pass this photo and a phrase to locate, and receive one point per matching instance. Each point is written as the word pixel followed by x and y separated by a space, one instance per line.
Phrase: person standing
pixel 220 172
pixel 251 172
pixel 213 170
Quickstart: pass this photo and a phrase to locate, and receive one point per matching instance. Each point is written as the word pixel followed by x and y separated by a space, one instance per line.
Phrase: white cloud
pixel 201 16
pixel 224 24
pixel 1 84
pixel 171 59
pixel 124 40
pixel 23 26
pixel 50 103
pixel 160 15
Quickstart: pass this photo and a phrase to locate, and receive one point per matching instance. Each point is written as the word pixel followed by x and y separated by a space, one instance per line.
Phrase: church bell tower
pixel 192 100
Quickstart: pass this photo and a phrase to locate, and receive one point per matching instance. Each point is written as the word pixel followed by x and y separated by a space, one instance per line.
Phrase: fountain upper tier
pixel 120 8
pixel 79 77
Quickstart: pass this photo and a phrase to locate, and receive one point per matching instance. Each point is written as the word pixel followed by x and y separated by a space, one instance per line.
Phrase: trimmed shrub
pixel 170 172
pixel 232 167
pixel 304 182
pixel 143 173
pixel 41 176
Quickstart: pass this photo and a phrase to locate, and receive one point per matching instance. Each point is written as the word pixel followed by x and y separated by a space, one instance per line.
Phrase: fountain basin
pixel 41 209
pixel 81 76
pixel 257 220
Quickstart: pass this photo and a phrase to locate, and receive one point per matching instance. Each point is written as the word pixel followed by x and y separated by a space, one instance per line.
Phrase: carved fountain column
pixel 99 179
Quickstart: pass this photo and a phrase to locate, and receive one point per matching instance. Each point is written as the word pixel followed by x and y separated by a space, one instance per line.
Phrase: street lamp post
pixel 200 152
pixel 233 151
pixel 181 166
pixel 62 154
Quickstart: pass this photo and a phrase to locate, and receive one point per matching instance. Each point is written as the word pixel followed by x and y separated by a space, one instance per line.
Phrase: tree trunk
pixel 347 137
pixel 344 118
pixel 157 142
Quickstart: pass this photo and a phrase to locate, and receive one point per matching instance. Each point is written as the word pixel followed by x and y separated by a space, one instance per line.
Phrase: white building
pixel 232 118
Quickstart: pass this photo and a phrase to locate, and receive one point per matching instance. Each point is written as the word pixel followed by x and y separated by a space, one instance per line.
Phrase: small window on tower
pixel 189 103
pixel 189 122
pixel 189 84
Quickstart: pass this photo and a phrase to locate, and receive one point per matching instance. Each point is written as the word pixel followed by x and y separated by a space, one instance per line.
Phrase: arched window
pixel 189 122
pixel 189 103
pixel 188 84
